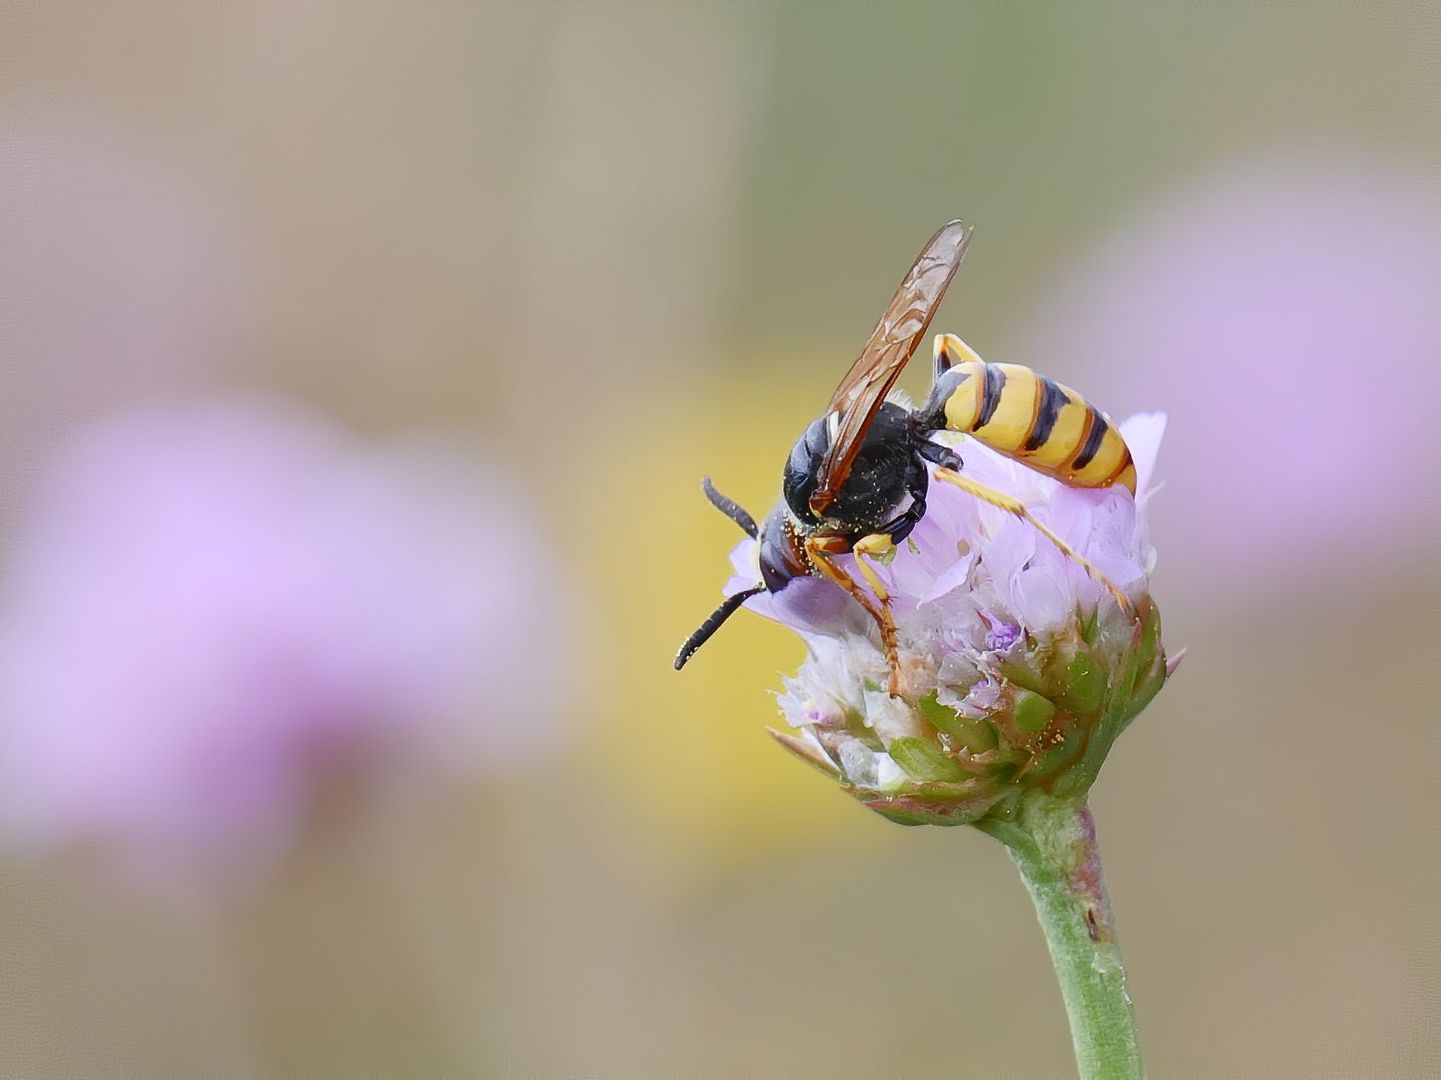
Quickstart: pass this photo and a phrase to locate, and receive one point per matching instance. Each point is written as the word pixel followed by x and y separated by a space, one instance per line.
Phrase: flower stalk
pixel 1053 843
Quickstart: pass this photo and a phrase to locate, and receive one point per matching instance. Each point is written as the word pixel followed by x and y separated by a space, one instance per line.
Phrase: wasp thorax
pixel 877 484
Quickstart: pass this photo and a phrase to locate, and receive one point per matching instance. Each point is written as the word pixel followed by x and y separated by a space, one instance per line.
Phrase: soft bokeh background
pixel 593 252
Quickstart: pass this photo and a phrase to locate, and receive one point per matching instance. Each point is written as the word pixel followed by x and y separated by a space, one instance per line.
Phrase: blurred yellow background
pixel 609 249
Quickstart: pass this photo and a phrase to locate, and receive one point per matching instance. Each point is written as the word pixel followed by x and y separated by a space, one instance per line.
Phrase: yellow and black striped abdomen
pixel 1035 420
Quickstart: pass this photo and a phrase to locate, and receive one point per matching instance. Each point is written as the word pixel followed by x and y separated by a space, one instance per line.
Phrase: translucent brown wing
pixel 891 345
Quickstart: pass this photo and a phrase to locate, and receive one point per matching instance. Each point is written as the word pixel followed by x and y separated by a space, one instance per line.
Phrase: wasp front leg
pixel 878 547
pixel 820 550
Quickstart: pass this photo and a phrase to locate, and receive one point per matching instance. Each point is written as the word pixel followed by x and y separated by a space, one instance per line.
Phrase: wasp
pixel 856 479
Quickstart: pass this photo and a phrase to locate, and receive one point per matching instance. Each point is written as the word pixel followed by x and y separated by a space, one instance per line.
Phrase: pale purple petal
pixel 806 604
pixel 1143 433
pixel 953 577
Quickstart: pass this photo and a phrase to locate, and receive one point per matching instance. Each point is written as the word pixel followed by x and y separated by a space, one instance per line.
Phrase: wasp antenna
pixel 711 625
pixel 730 508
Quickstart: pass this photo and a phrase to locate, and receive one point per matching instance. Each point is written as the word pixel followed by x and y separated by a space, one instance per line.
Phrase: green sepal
pixel 1060 756
pixel 856 725
pixel 1032 712
pixel 1007 806
pixel 935 803
pixel 923 761
pixel 977 736
pixel 1085 684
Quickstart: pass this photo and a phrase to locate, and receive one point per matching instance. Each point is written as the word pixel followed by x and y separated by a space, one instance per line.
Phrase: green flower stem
pixel 1053 843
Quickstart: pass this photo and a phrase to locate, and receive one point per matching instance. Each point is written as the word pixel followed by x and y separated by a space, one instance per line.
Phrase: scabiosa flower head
pixel 1018 670
pixel 213 614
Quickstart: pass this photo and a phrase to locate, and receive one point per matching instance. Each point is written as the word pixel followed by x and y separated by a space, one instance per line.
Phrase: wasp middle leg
pixel 819 551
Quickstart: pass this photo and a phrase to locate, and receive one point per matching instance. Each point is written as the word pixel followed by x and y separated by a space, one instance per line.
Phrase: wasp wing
pixel 891 345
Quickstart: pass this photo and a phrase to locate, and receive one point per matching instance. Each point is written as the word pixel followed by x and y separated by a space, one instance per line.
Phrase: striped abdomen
pixel 1038 422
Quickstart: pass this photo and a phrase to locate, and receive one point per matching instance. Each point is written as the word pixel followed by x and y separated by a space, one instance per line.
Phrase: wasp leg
pixel 819 556
pixel 1015 506
pixel 947 351
pixel 899 527
pixel 940 455
pixel 882 548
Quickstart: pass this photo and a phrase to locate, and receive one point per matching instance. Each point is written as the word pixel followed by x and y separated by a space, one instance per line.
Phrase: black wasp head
pixel 878 479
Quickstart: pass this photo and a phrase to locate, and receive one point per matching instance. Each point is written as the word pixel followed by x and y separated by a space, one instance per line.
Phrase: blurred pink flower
pixel 1287 312
pixel 213 612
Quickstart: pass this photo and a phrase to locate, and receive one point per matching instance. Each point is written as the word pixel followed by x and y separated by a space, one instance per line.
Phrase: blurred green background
pixel 616 247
